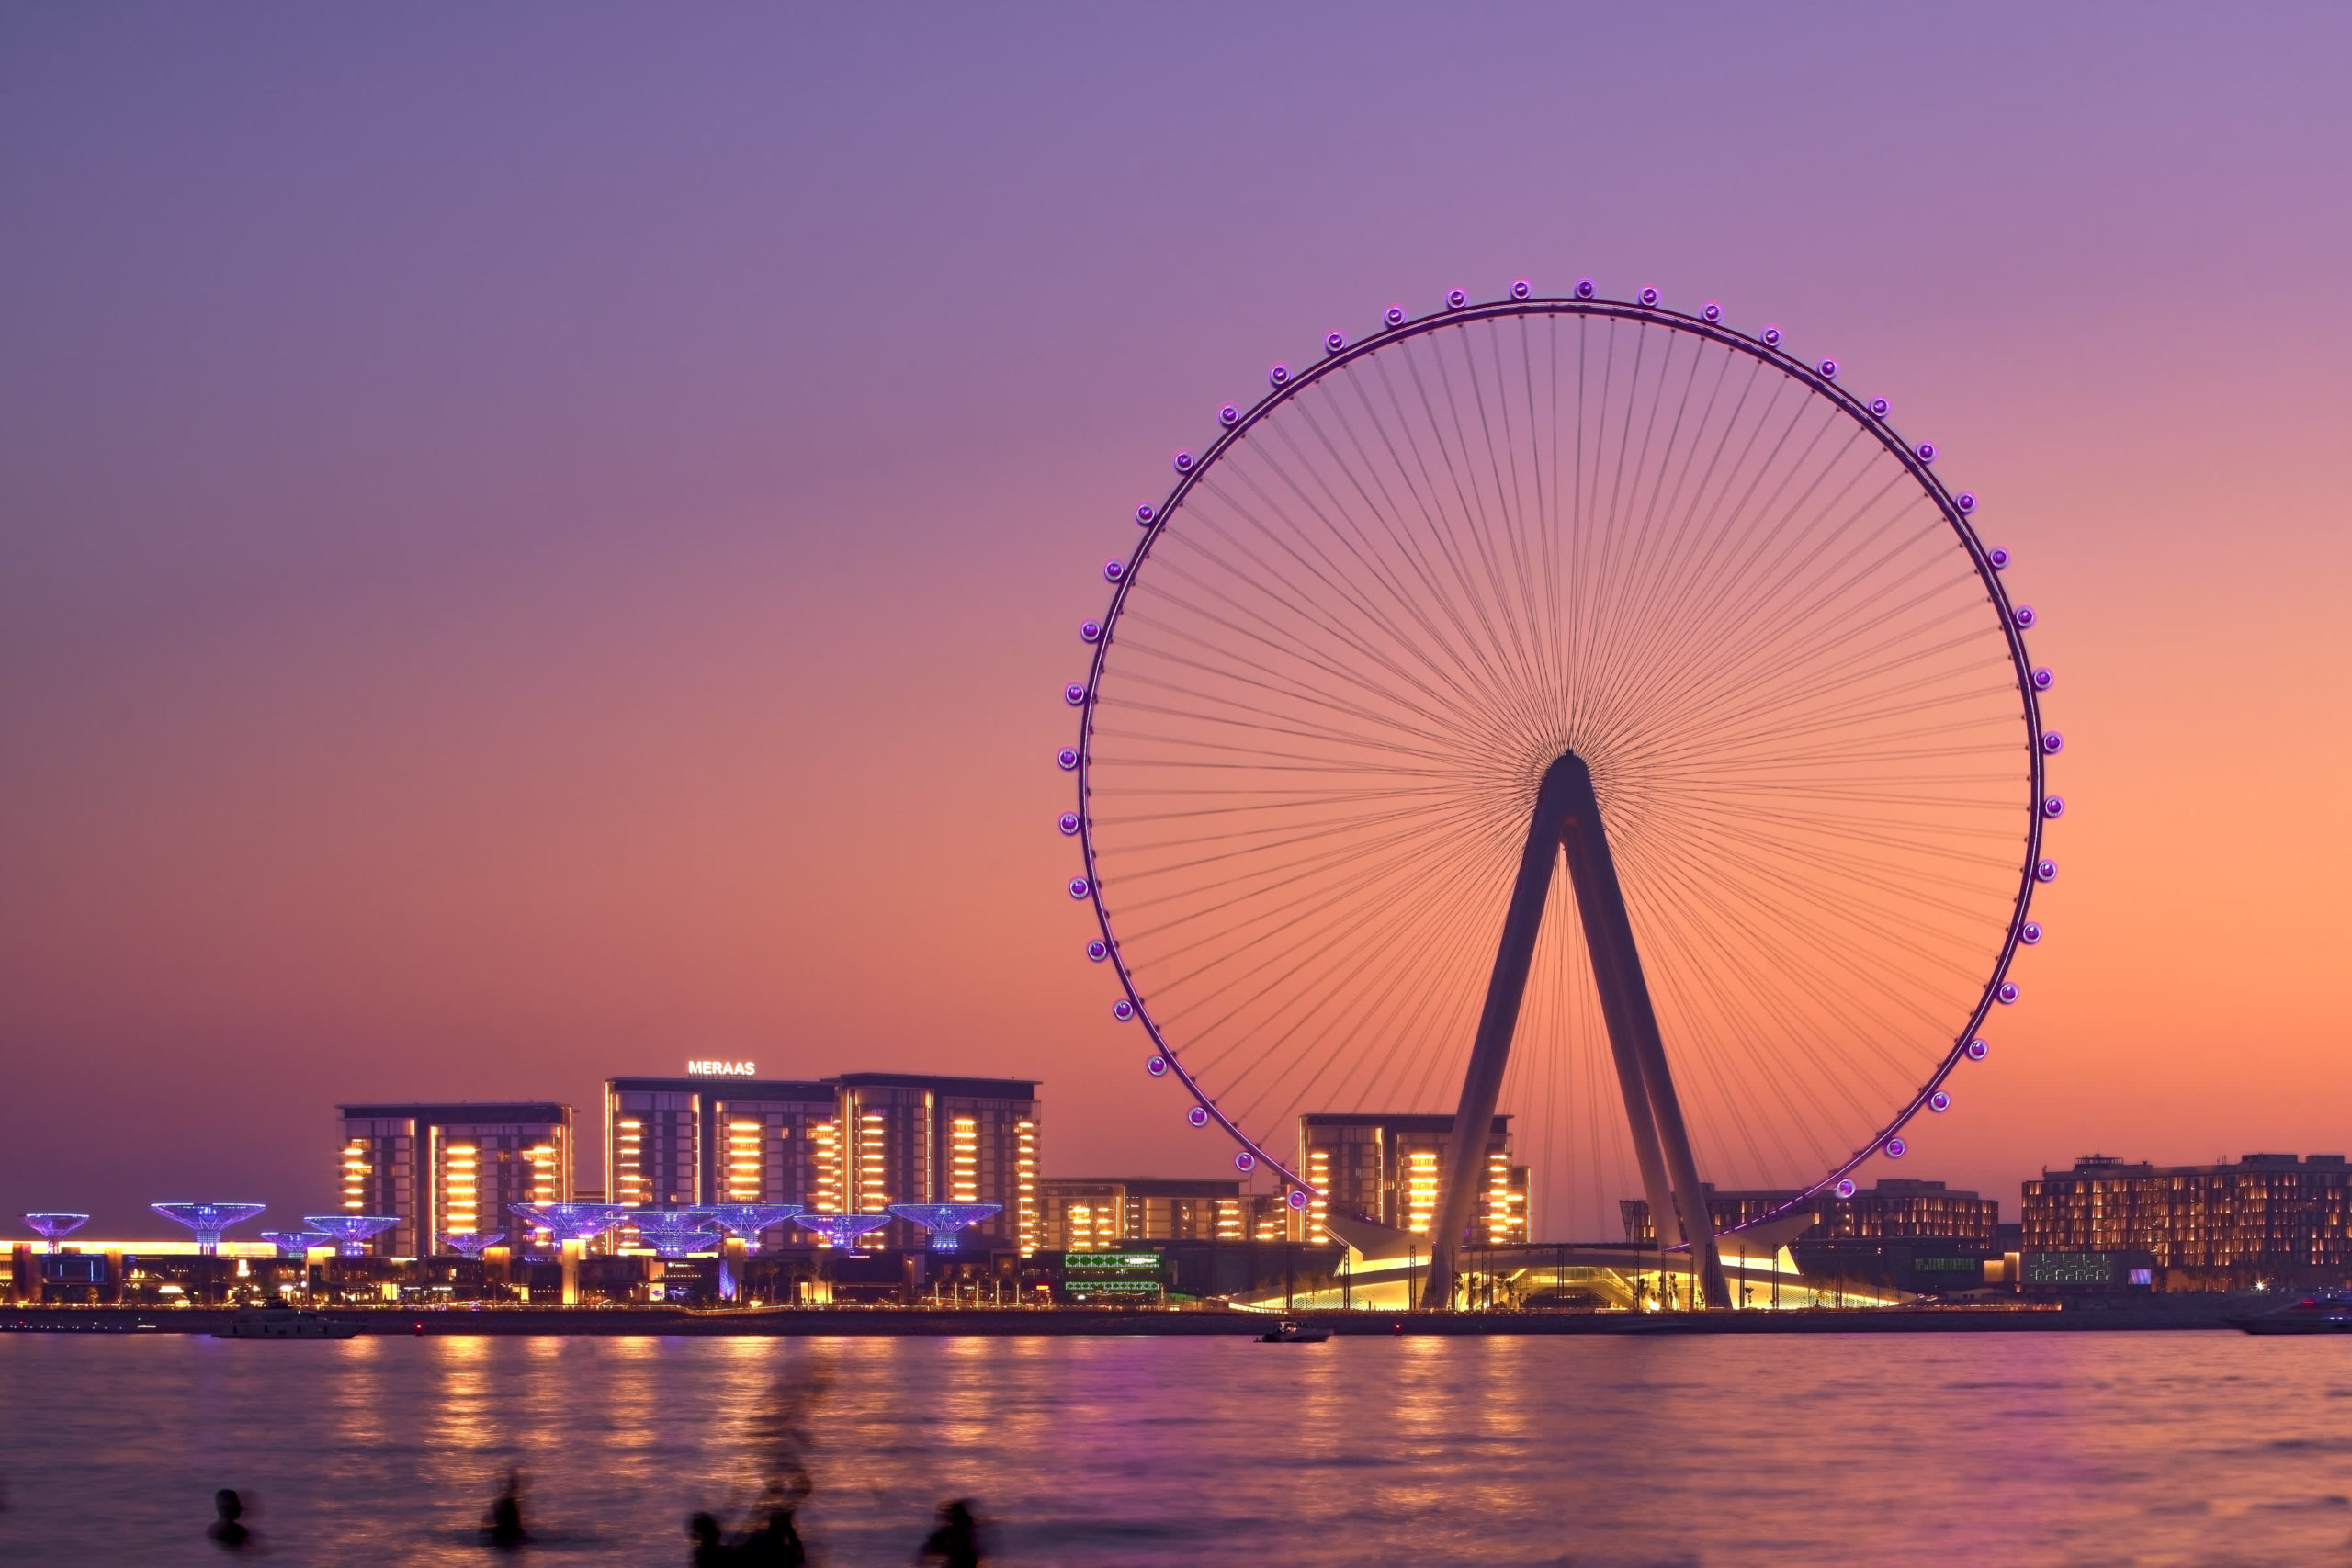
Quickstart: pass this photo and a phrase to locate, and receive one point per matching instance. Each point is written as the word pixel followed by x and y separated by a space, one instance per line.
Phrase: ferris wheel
pixel 1574 707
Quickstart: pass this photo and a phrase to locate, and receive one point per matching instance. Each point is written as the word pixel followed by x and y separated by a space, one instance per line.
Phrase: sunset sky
pixel 539 543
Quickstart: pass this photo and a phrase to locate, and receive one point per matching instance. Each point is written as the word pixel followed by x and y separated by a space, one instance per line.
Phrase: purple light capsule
pixel 1075 693
pixel 1298 1199
pixel 1068 823
pixel 1245 1161
pixel 1965 502
pixel 1197 1116
pixel 1926 451
pixel 1278 375
pixel 1828 369
pixel 2053 807
pixel 2052 744
pixel 1647 295
pixel 1998 557
pixel 1078 887
pixel 1585 287
pixel 2031 933
pixel 1896 1148
pixel 1143 515
pixel 1456 298
pixel 1334 342
pixel 2044 679
pixel 1090 631
pixel 1521 288
pixel 1393 315
pixel 1114 570
pixel 1157 1066
pixel 2045 871
pixel 1845 1187
pixel 1098 950
pixel 1122 1010
pixel 1770 336
pixel 1711 312
pixel 1939 1100
pixel 2022 616
pixel 1881 408
pixel 1067 759
pixel 1229 416
pixel 1183 462
pixel 1978 1049
pixel 2007 993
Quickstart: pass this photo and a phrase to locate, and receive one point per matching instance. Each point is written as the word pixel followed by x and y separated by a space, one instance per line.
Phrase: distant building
pixel 1386 1167
pixel 452 1168
pixel 1894 1209
pixel 917 1138
pixel 670 1141
pixel 2266 1217
pixel 1089 1214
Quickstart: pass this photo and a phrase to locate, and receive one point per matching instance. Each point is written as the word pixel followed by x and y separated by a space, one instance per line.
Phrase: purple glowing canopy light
pixel 207 1220
pixel 674 1233
pixel 352 1233
pixel 571 1222
pixel 945 1221
pixel 748 1220
pixel 840 1229
pixel 469 1244
pixel 295 1243
pixel 54 1227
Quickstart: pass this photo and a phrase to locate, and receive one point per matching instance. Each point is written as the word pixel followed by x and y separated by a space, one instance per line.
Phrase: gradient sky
pixel 537 543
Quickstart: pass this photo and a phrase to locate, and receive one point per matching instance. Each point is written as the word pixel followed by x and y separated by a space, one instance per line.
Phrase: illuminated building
pixel 1895 1208
pixel 2266 1217
pixel 720 1137
pixel 916 1138
pixel 1080 1215
pixel 453 1168
pixel 1384 1169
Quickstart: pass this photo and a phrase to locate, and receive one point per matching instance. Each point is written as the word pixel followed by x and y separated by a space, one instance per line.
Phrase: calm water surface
pixel 1994 1449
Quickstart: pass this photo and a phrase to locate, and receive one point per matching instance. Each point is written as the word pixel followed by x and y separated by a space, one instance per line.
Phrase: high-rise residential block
pixel 451 1169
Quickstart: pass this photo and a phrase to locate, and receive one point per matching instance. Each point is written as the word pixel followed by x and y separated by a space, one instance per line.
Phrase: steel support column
pixel 1568 816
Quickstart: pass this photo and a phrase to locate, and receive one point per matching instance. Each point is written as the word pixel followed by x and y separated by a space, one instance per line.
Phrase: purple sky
pixel 537 543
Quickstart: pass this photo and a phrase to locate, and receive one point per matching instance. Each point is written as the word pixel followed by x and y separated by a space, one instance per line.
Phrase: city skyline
pixel 426 684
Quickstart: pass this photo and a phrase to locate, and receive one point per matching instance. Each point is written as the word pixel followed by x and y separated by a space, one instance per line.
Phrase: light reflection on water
pixel 1996 1447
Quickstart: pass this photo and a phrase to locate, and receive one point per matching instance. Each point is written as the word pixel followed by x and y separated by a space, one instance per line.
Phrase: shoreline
pixel 1047 1321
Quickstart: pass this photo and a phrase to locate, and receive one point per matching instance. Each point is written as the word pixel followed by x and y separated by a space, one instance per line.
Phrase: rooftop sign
pixel 722 1070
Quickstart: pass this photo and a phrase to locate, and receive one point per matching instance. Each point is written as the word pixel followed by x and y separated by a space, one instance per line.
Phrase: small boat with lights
pixel 2320 1312
pixel 1291 1333
pixel 283 1323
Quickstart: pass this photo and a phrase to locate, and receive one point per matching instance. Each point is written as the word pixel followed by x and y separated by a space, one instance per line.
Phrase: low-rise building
pixel 2262 1218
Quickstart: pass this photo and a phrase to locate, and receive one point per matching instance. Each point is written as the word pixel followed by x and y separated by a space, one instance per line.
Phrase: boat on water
pixel 1290 1333
pixel 2320 1312
pixel 283 1323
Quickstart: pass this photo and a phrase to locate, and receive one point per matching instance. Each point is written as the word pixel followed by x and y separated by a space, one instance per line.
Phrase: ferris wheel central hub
pixel 1567 820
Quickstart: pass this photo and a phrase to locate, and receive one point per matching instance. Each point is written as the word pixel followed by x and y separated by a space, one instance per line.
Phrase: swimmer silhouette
pixel 504 1529
pixel 710 1550
pixel 228 1528
pixel 775 1544
pixel 956 1542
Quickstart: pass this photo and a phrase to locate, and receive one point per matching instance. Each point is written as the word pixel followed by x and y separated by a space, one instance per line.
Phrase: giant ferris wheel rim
pixel 1768 348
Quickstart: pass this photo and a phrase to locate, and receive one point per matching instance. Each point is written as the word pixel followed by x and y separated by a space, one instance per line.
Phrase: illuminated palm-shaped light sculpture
pixel 946 1221
pixel 675 1233
pixel 571 1222
pixel 54 1227
pixel 352 1233
pixel 207 1220
pixel 471 1244
pixel 296 1244
pixel 841 1230
pixel 747 1221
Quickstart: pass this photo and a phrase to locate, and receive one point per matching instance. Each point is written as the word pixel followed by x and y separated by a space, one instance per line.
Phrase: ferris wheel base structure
pixel 1567 818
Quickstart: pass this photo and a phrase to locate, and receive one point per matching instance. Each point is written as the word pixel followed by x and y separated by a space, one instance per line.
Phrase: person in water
pixel 775 1544
pixel 228 1526
pixel 504 1527
pixel 956 1542
pixel 710 1552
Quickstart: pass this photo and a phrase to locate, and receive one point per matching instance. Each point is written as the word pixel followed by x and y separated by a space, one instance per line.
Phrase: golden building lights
pixel 964 1160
